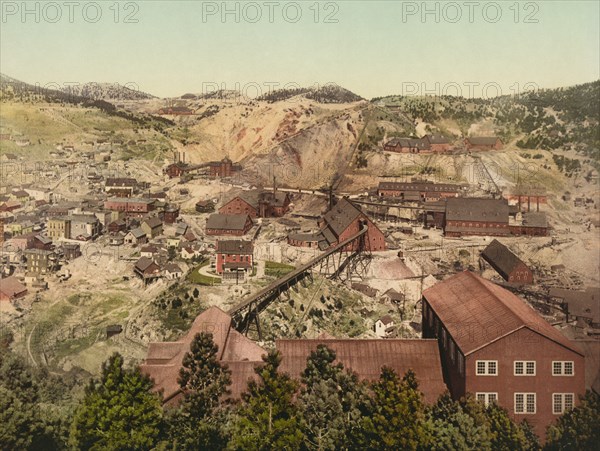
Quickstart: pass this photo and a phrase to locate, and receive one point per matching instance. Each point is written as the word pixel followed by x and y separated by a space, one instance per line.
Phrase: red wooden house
pixel 234 255
pixel 437 143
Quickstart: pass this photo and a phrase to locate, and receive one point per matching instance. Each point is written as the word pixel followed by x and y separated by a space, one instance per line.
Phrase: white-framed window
pixel 563 368
pixel 562 402
pixel 486 398
pixel 486 367
pixel 525 403
pixel 524 368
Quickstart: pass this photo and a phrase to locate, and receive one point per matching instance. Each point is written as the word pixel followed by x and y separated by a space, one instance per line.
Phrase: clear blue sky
pixel 375 47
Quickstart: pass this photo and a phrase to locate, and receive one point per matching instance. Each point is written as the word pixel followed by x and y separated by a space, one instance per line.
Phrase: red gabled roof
pixel 477 312
pixel 163 361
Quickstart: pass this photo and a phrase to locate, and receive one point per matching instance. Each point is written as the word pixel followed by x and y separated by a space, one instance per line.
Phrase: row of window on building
pixel 526 403
pixel 523 368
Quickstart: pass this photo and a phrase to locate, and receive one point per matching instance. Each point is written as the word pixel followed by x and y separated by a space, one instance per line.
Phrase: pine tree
pixel 202 377
pixel 506 435
pixel 198 423
pixel 397 418
pixel 450 427
pixel 118 412
pixel 29 419
pixel 332 402
pixel 532 441
pixel 578 428
pixel 268 418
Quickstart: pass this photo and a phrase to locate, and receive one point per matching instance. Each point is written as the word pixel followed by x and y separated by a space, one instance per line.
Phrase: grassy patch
pixel 76 345
pixel 201 279
pixel 276 269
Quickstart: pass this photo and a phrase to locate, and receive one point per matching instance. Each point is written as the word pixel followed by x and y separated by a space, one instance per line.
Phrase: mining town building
pixel 71 251
pixel 496 347
pixel 483 143
pixel 135 207
pixel 526 196
pixel 407 145
pixel 234 256
pixel 364 357
pixel 258 204
pixel 223 168
pixel 152 227
pixel 531 224
pixel 171 214
pixel 343 221
pixel 476 216
pixel 437 143
pixel 236 225
pixel 11 289
pixel 240 354
pixel 205 206
pixel 120 187
pixel 508 265
pixel 420 190
pixel 59 227
pixel 147 269
pixel 40 261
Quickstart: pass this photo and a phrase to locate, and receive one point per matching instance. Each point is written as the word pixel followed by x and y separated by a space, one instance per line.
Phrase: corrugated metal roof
pixel 240 354
pixel 477 312
pixel 367 357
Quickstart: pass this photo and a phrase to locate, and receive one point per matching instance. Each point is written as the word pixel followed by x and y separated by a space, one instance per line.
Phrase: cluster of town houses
pixel 41 231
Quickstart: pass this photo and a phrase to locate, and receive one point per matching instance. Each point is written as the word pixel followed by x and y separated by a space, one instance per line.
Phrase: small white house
pixel 384 326
pixel 189 252
pixel 173 271
pixel 136 236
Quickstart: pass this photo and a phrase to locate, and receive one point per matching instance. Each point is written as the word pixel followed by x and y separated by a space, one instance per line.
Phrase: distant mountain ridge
pixel 329 93
pixel 90 91
pixel 107 91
